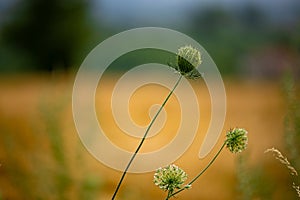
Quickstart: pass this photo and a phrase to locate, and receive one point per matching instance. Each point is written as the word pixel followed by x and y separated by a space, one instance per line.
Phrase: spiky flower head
pixel 188 59
pixel 236 140
pixel 169 178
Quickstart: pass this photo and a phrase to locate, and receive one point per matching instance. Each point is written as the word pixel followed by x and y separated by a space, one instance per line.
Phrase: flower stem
pixel 196 177
pixel 144 137
pixel 169 195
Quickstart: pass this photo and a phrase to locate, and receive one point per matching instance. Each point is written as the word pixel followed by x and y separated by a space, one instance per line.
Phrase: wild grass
pixel 36 159
pixel 61 176
pixel 30 166
pixel 253 183
pixel 70 177
pixel 261 181
pixel 292 118
pixel 284 161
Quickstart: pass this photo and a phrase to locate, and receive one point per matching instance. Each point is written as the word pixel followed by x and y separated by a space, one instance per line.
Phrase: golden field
pixel 41 156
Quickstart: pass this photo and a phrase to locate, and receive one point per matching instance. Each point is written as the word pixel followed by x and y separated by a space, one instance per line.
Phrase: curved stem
pixel 208 165
pixel 144 137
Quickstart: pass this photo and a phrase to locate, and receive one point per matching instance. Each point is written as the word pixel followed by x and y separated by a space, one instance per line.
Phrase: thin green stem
pixel 144 137
pixel 169 195
pixel 196 177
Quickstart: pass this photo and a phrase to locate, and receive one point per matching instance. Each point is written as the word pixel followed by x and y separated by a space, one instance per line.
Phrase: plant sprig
pixel 236 141
pixel 188 59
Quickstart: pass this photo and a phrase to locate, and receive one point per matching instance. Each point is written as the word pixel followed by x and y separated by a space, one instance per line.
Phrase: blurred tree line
pixel 246 40
pixel 58 34
pixel 45 35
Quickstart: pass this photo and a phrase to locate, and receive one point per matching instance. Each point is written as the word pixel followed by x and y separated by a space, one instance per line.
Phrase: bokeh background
pixel 255 44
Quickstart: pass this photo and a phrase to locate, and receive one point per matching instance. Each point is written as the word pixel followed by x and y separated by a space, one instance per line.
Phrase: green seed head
pixel 188 59
pixel 236 140
pixel 169 178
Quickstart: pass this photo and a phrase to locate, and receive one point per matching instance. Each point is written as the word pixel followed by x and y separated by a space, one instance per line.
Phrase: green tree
pixel 51 34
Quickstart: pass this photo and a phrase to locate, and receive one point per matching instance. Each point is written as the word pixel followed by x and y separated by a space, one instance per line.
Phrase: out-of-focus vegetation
pixel 259 181
pixel 45 35
pixel 41 156
pixel 246 39
pixel 38 158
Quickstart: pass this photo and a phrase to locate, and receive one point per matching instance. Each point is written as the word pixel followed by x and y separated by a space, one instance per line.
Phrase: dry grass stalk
pixel 278 155
pixel 297 188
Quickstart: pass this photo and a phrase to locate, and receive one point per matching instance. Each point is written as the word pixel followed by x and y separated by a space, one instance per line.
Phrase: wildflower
pixel 236 140
pixel 169 178
pixel 188 59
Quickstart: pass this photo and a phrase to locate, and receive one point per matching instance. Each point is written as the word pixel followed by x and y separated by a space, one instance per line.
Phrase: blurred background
pixel 255 44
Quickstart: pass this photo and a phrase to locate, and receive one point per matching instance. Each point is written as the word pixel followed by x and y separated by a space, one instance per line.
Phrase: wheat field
pixel 42 157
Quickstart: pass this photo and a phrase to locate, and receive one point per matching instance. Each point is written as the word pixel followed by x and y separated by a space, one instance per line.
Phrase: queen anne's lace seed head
pixel 188 59
pixel 169 178
pixel 236 140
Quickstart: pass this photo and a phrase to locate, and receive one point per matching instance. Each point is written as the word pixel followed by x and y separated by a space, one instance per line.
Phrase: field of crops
pixel 42 157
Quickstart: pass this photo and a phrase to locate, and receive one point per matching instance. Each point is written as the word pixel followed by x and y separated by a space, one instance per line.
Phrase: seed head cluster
pixel 188 59
pixel 236 140
pixel 169 178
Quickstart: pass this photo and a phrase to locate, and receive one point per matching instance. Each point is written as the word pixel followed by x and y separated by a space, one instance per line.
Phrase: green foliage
pixel 47 35
pixel 231 35
pixel 139 57
pixel 89 187
pixel 292 119
pixel 57 34
pixel 52 122
pixel 259 181
pixel 253 183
